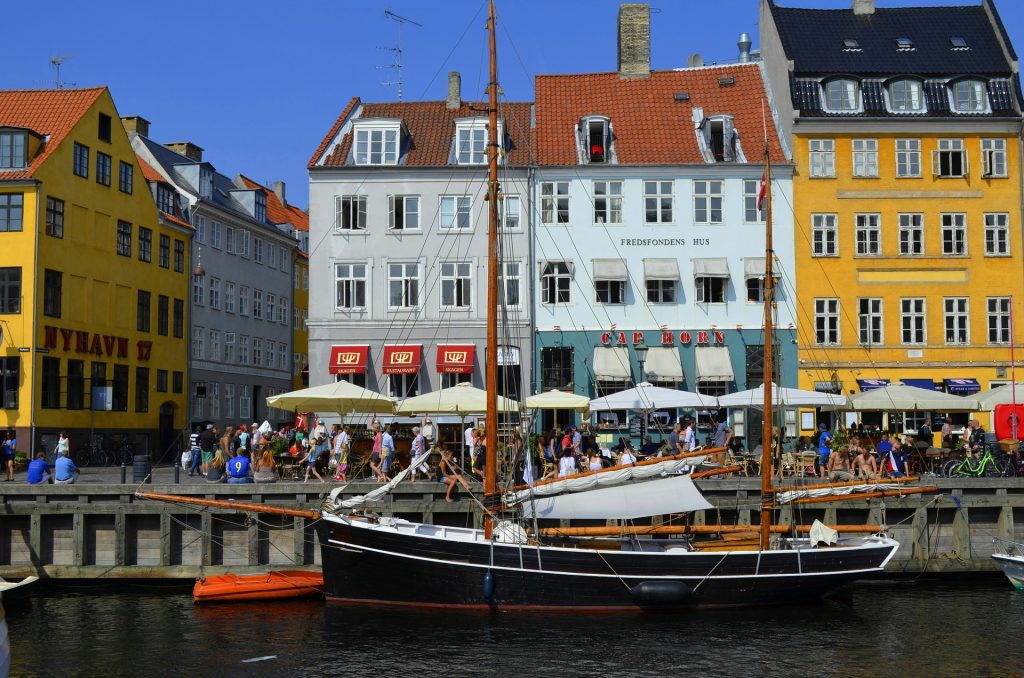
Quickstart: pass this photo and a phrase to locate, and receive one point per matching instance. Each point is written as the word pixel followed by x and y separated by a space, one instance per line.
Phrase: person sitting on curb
pixel 65 471
pixel 839 466
pixel 216 471
pixel 238 469
pixel 449 475
pixel 265 472
pixel 39 470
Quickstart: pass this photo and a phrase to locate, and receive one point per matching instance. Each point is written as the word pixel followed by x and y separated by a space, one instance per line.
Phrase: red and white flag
pixel 762 191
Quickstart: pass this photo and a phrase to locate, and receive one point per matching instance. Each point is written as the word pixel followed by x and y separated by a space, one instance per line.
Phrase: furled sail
pixel 788 496
pixel 673 494
pixel 332 504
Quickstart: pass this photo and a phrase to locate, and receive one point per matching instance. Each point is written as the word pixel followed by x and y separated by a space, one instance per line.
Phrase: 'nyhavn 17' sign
pixel 92 343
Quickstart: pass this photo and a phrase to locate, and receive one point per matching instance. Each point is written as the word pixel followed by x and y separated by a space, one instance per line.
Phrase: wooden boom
pixel 630 530
pixel 231 505
pixel 861 495
pixel 848 483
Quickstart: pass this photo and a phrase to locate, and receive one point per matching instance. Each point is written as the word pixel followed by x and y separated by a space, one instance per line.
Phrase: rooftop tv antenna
pixel 56 62
pixel 397 65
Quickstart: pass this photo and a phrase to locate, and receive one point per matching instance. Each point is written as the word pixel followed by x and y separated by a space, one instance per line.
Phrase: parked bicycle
pixel 90 455
pixel 975 465
pixel 121 456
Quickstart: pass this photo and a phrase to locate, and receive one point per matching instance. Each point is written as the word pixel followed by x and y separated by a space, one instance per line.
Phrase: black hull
pixel 386 567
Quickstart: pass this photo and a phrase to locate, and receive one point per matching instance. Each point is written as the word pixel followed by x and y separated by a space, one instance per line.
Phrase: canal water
pixel 947 627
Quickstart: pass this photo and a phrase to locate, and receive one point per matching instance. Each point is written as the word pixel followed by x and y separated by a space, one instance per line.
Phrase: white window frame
pixel 214 345
pixel 913 321
pixel 257 304
pixel 993 158
pixel 198 291
pixel 821 155
pixel 826 321
pixel 200 229
pixel 751 193
pixel 403 386
pixel 957 320
pixel 455 213
pixel 457 285
pixel 471 141
pixel 257 250
pixel 348 284
pixel 865 158
pixel 376 144
pixel 405 208
pixel 229 347
pixel 614 292
pixel 243 300
pixel 908 158
pixel 229 401
pixel 349 213
pixel 954 234
pixel 705 286
pixel 213 395
pixel 511 277
pixel 230 293
pixel 997 320
pixel 410 284
pixel 214 293
pixel 244 403
pixel 271 313
pixel 846 93
pixel 870 321
pixel 974 92
pixel 198 343
pixel 910 91
pixel 554 202
pixel 510 217
pixel 868 230
pixel 282 356
pixel 243 349
pixel 708 201
pixel 659 291
pixel 552 276
pixel 997 234
pixel 215 234
pixel 229 240
pixel 659 201
pixel 825 235
pixel 607 202
pixel 244 238
pixel 950 146
pixel 911 232
pixel 257 351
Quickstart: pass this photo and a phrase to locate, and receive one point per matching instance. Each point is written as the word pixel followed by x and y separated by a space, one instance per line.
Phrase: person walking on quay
pixel 243 440
pixel 824 450
pixel 39 470
pixel 193 444
pixel 387 451
pixel 419 447
pixel 63 445
pixel 207 443
pixel 9 451
pixel 311 458
pixel 257 437
pixel 65 472
pixel 375 457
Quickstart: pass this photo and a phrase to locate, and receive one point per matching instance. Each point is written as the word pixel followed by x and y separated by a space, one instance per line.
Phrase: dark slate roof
pixel 1001 94
pixel 813 39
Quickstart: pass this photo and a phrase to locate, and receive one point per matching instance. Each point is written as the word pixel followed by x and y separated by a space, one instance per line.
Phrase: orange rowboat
pixel 276 585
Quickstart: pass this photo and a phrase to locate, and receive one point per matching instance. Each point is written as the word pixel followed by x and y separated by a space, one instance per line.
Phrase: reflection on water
pixel 924 628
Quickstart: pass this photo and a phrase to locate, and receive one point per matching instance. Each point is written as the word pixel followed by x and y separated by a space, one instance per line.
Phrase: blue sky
pixel 258 83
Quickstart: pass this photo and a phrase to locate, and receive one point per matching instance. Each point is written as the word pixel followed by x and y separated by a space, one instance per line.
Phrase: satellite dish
pixel 695 60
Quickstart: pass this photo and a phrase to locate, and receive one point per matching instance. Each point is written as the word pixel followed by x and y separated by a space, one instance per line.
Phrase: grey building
pixel 241 300
pixel 398 246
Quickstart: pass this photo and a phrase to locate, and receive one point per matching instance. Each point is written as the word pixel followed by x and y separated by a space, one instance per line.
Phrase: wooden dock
pixel 92 531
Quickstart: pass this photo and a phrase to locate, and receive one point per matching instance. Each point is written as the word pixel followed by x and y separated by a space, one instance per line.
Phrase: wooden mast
pixel 767 496
pixel 491 450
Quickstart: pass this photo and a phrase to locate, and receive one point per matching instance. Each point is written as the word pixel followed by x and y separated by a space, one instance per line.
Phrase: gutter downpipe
pixel 35 314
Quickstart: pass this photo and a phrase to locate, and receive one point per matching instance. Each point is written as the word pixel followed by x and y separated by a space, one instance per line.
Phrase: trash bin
pixel 141 469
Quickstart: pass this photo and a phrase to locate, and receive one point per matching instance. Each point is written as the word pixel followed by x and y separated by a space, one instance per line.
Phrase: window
pixel 904 45
pixel 229 297
pixel 257 250
pixel 554 202
pixel 13 151
pixel 51 383
pixel 229 347
pixel 213 352
pixel 271 313
pixel 54 217
pixel 404 212
pixel 271 254
pixel 842 95
pixel 243 300
pixel 455 211
pixel 142 389
pixel 142 311
pixel 81 160
pixel 509 217
pixel 260 207
pixel 471 143
pixel 869 321
pixel 950 159
pixel 165 251
pixel 751 194
pixel 350 283
pixel 244 403
pixel 908 157
pixel 957 320
pixel 822 157
pixel 968 96
pixel 282 356
pixel 229 240
pixel 376 146
pixel 556 369
pixel 213 396
pixel 954 234
pixel 179 318
pixel 52 281
pixel 998 320
pixel 449 380
pixel 610 291
pixel 145 244
pixel 824 235
pixel 912 321
pixel 229 400
pixel 911 234
pixel 456 287
pixel 710 290
pixel 124 238
pixel 257 304
pixel 213 285
pixel 403 385
pixel 597 140
pixel 103 130
pixel 509 285
pixel 607 202
pixel 179 256
pixel 10 290
pixel 102 168
pixel 755 289
pixel 163 313
pixel 178 383
pixel 658 201
pixel 120 394
pixel 661 291
pixel 11 211
pixel 351 213
pixel 243 238
pixel 869 234
pixel 125 177
pixel 905 96
pixel 993 158
pixel 198 343
pixel 997 235
pixel 826 322
pixel 865 157
pixel 76 385
pixel 403 285
pixel 958 43
pixel 165 199
pixel 555 277
pixel 197 290
pixel 282 311
pixel 200 228
pixel 215 234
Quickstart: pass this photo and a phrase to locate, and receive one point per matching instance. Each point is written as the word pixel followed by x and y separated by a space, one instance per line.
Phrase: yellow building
pixel 907 194
pixel 300 340
pixel 95 287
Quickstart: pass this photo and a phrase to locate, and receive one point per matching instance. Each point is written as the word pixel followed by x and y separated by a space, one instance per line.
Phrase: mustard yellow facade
pixel 99 340
pixel 300 338
pixel 960 288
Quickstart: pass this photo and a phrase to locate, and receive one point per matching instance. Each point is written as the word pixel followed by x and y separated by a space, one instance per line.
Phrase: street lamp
pixel 641 357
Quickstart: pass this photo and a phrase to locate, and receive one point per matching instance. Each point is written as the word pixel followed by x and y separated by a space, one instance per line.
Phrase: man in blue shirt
pixel 884 446
pixel 38 470
pixel 824 450
pixel 65 471
pixel 387 451
pixel 238 469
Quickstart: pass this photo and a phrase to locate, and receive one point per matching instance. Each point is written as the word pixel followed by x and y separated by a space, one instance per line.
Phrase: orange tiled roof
pixel 278 212
pixel 148 171
pixel 176 220
pixel 50 113
pixel 432 127
pixel 335 128
pixel 650 126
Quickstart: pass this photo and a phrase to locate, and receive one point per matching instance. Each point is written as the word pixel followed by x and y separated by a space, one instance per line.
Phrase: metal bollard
pixel 177 472
pixel 124 473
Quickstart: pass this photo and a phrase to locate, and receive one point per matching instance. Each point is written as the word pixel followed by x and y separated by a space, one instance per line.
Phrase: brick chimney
pixel 454 99
pixel 136 124
pixel 634 40
pixel 863 7
pixel 279 191
pixel 187 149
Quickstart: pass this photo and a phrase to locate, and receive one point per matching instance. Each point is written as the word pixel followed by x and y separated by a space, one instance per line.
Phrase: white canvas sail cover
pixel 674 494
pixel 794 494
pixel 332 505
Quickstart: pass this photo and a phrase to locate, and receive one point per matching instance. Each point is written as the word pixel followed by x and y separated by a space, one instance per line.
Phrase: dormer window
pixel 260 209
pixel 720 138
pixel 205 182
pixel 958 43
pixel 377 144
pixel 905 96
pixel 471 141
pixel 842 95
pixel 904 45
pixel 969 96
pixel 13 149
pixel 596 138
pixel 851 45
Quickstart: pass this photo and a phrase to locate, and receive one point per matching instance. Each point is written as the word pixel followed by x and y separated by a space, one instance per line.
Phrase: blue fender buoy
pixel 488 585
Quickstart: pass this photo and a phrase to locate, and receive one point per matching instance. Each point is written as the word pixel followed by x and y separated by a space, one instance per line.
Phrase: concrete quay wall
pixel 104 531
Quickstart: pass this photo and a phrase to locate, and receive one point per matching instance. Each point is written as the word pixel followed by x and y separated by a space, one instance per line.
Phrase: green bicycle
pixel 974 466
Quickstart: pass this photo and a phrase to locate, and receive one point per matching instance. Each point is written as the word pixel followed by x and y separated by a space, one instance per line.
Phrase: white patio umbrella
pixel 783 397
pixel 644 396
pixel 460 399
pixel 898 396
pixel 558 400
pixel 1000 395
pixel 340 397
